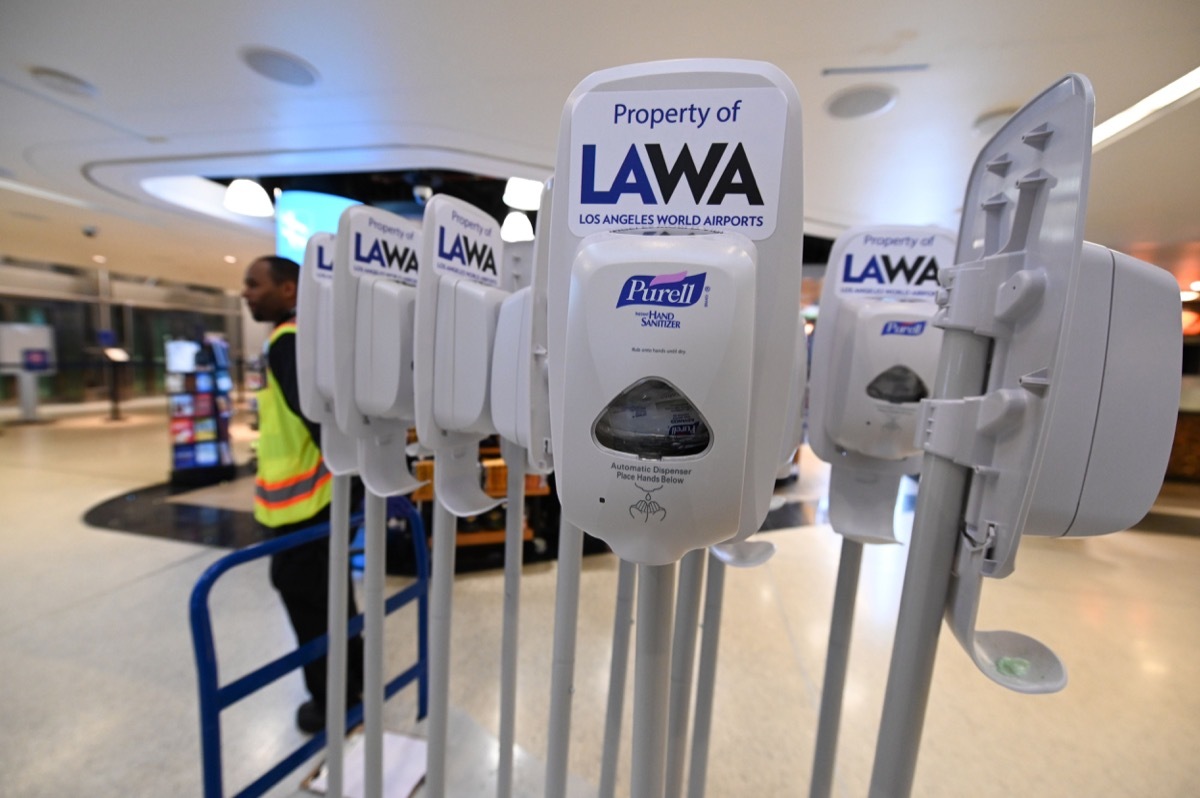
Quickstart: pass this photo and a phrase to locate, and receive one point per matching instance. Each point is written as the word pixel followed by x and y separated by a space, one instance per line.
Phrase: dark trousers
pixel 301 575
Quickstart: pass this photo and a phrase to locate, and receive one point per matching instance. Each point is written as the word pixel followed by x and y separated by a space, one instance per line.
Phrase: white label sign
pixel 385 248
pixel 896 264
pixel 704 159
pixel 468 245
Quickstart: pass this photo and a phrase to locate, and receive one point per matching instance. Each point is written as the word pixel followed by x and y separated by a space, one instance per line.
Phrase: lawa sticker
pixel 901 264
pixel 468 245
pixel 703 158
pixel 385 249
pixel 324 256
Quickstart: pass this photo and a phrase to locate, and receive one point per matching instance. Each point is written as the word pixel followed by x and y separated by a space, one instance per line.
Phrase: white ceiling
pixel 480 87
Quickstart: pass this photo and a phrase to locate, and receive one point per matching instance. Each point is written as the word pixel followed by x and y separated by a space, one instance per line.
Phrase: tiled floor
pixel 97 682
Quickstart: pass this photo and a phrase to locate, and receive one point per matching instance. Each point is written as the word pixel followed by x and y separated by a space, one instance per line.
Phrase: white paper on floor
pixel 403 767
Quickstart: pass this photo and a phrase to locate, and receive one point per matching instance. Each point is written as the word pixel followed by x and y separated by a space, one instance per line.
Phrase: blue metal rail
pixel 215 697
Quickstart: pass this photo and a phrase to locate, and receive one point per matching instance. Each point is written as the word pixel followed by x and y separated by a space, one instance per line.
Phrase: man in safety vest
pixel 293 488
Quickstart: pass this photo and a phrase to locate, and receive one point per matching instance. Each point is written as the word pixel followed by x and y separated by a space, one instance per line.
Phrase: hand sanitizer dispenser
pixel 1074 426
pixel 314 353
pixel 875 354
pixel 673 292
pixel 373 313
pixel 520 374
pixel 457 311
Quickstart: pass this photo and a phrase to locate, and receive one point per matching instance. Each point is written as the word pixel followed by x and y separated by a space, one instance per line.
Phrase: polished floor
pixel 97 682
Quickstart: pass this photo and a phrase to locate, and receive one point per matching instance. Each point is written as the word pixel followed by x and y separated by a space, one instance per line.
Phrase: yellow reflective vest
pixel 293 484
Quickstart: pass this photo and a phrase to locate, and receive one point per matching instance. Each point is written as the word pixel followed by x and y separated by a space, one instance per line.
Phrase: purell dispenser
pixel 457 311
pixel 674 285
pixel 520 393
pixel 1054 410
pixel 1071 433
pixel 875 354
pixel 314 354
pixel 374 314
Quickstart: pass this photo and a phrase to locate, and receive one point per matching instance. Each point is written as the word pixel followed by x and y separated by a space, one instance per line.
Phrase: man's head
pixel 269 288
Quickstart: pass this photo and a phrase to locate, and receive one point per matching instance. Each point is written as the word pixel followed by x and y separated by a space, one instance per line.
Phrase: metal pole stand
pixel 940 503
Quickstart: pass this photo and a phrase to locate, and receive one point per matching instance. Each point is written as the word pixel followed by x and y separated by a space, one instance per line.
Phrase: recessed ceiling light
pixel 857 102
pixel 1195 286
pixel 99 259
pixel 280 66
pixel 230 259
pixel 989 123
pixel 63 82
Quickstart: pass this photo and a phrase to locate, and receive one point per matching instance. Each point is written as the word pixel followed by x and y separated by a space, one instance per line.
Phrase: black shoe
pixel 310 717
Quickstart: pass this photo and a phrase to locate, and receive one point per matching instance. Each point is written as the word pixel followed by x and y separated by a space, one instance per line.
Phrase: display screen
pixel 299 214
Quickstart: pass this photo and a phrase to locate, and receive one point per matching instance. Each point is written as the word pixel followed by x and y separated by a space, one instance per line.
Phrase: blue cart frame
pixel 214 697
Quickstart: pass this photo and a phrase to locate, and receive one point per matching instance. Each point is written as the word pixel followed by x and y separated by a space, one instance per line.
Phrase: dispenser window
pixel 652 420
pixel 898 385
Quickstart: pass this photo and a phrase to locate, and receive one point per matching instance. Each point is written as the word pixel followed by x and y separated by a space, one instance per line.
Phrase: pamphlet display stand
pixel 198 387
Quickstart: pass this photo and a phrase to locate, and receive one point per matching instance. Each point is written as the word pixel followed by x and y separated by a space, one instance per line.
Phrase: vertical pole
pixel 114 391
pixel 622 624
pixel 373 599
pixel 651 678
pixel 562 673
pixel 335 675
pixel 962 371
pixel 840 627
pixel 27 387
pixel 514 542
pixel 714 594
pixel 683 662
pixel 441 591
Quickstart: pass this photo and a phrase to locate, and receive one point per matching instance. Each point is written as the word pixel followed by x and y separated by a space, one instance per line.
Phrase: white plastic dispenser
pixel 520 390
pixel 667 404
pixel 1071 432
pixel 314 353
pixel 457 311
pixel 373 313
pixel 793 431
pixel 875 355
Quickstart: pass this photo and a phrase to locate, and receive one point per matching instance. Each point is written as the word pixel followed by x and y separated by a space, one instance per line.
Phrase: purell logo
pixel 733 176
pixel 881 269
pixel 467 252
pixel 903 327
pixel 386 254
pixel 667 290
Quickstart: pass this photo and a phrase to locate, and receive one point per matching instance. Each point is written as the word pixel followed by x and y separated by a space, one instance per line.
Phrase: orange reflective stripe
pixel 288 501
pixel 283 483
pixel 289 491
